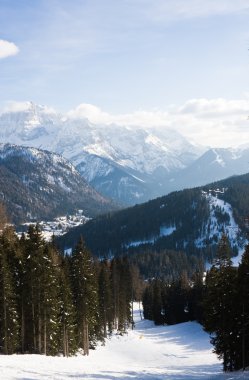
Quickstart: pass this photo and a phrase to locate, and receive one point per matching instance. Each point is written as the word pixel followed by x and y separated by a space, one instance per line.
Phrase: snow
pixel 218 158
pixel 41 127
pixel 215 229
pixel 149 352
pixel 164 231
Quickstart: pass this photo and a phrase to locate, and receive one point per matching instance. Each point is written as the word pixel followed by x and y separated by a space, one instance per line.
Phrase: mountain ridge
pixel 37 184
pixel 128 164
pixel 133 152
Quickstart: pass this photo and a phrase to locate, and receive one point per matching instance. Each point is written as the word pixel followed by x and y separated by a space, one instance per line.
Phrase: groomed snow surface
pixel 179 352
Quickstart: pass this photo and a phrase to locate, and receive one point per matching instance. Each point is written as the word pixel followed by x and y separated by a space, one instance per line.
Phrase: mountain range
pixel 128 164
pixel 36 184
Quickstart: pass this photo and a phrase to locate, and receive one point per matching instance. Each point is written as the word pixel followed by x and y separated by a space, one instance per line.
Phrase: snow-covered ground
pixel 215 229
pixel 180 352
pixel 164 231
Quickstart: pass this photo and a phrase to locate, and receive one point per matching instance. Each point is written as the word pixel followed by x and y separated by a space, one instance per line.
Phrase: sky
pixel 182 64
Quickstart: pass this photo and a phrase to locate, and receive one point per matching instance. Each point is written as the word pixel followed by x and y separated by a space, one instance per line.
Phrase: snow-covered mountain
pixel 128 164
pixel 123 162
pixel 213 165
pixel 37 184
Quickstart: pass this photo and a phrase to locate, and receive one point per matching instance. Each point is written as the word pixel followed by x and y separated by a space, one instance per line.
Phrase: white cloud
pixel 13 106
pixel 90 112
pixel 7 49
pixel 215 122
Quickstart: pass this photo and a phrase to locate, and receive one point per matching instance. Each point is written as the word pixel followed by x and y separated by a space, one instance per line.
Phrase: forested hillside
pixel 188 222
pixel 182 212
pixel 237 194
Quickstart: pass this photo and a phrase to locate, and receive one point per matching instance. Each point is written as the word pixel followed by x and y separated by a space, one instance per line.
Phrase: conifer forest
pixel 55 304
pixel 52 303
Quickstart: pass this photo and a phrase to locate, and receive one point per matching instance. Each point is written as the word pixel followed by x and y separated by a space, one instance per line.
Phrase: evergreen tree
pixel 105 299
pixel 196 297
pixel 9 321
pixel 49 301
pixel 32 282
pixel 157 305
pixel 147 301
pixel 178 301
pixel 67 311
pixel 243 312
pixel 223 254
pixel 219 312
pixel 85 294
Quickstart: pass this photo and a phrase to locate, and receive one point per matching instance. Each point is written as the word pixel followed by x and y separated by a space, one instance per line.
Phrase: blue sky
pixel 127 57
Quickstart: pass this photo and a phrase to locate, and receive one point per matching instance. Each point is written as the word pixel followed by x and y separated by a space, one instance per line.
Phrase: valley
pixel 124 190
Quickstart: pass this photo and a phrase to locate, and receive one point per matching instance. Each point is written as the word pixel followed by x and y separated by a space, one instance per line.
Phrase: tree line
pixel 219 301
pixel 55 304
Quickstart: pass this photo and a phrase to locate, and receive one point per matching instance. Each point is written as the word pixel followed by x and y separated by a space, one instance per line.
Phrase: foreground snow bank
pixel 180 352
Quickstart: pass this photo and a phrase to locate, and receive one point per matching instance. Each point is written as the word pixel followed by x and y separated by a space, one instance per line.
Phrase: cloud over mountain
pixel 216 122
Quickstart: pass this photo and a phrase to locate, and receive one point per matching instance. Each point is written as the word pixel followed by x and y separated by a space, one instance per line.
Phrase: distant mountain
pixel 37 184
pixel 190 221
pixel 213 165
pixel 125 163
pixel 128 164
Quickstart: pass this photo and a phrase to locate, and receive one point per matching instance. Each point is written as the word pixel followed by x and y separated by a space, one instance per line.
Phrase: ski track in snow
pixel 149 352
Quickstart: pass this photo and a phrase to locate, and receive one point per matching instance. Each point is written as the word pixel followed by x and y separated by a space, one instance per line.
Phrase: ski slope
pixel 180 352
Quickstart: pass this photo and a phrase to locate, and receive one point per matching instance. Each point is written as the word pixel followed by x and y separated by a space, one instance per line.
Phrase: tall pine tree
pixel 85 294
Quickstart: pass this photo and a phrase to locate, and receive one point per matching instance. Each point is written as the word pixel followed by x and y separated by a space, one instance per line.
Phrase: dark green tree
pixel 85 295
pixel 242 307
pixel 67 310
pixel 105 299
pixel 9 319
pixel 219 311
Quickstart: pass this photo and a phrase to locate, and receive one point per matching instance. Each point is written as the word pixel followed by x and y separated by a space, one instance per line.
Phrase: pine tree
pixel 196 297
pixel 115 285
pixel 147 301
pixel 219 301
pixel 157 306
pixel 67 311
pixel 223 254
pixel 50 301
pixel 9 321
pixel 243 312
pixel 178 301
pixel 105 299
pixel 85 294
pixel 33 253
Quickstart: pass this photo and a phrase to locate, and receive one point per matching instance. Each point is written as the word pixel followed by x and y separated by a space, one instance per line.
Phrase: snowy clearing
pixel 179 352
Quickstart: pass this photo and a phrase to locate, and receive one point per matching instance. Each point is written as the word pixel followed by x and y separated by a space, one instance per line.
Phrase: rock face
pixel 37 184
